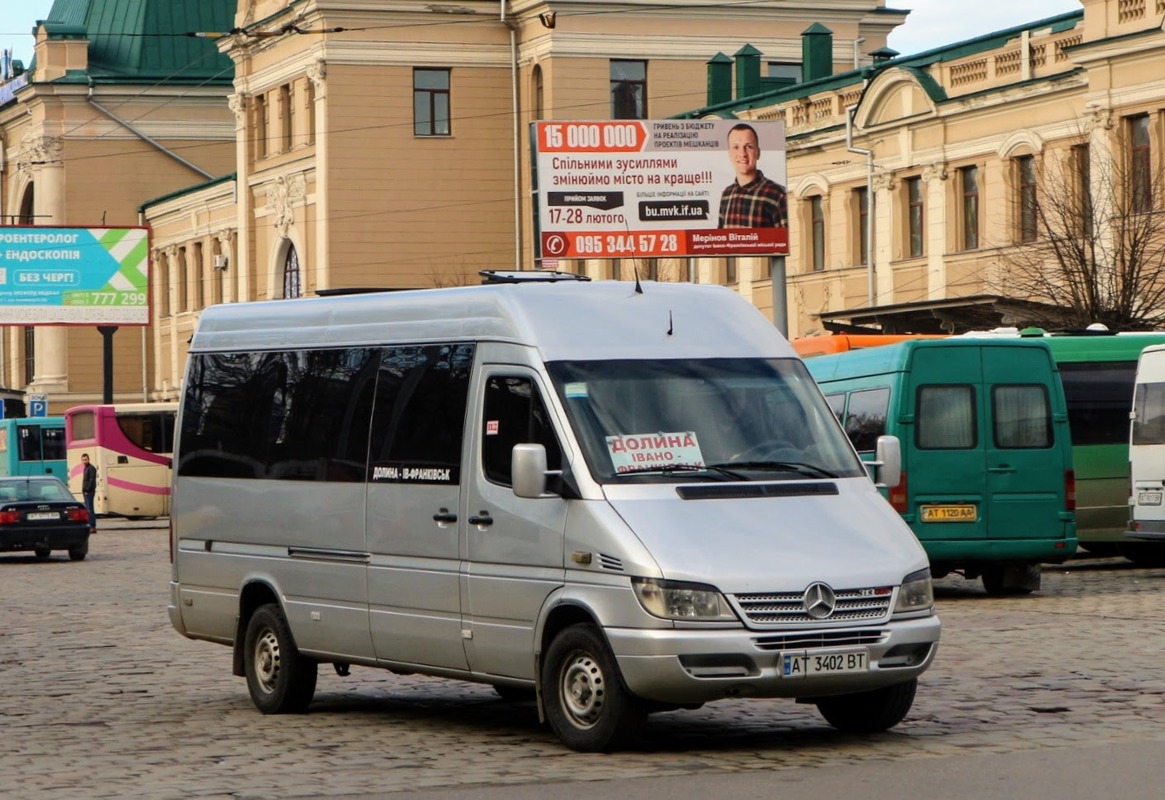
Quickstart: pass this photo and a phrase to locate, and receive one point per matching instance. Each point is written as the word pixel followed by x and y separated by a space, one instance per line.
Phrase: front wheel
pixel 869 712
pixel 586 703
pixel 280 680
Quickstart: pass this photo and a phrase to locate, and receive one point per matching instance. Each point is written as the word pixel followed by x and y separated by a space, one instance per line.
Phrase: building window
pixel 198 272
pixel 1025 167
pixel 628 89
pixel 817 228
pixel 180 286
pixel 286 117
pixel 1140 164
pixel 862 228
pixel 291 283
pixel 29 354
pixel 730 271
pixel 969 185
pixel 431 102
pixel 914 215
pixel 1082 172
pixel 260 126
pixel 538 92
pixel 310 126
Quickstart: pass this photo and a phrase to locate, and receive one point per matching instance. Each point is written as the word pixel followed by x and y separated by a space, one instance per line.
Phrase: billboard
pixel 661 188
pixel 74 276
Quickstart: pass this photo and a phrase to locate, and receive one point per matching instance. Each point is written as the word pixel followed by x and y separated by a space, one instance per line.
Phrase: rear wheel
pixel 869 712
pixel 280 680
pixel 78 551
pixel 42 553
pixel 586 703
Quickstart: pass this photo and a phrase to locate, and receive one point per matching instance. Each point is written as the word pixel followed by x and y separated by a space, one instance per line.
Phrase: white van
pixel 609 497
pixel 1147 450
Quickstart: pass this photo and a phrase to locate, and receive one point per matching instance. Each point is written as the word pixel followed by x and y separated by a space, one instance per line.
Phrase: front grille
pixel 788 608
pixel 808 641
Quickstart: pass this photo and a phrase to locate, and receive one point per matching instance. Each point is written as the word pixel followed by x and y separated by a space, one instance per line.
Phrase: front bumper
pixel 697 666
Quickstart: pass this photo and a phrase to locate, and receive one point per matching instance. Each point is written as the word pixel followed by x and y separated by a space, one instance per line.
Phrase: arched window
pixel 537 90
pixel 28 206
pixel 291 282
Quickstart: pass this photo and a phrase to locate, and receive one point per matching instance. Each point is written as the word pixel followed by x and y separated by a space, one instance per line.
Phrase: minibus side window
pixel 29 439
pixel 514 414
pixel 297 415
pixel 1149 410
pixel 53 443
pixel 1099 396
pixel 836 404
pixel 866 419
pixel 945 418
pixel 1022 417
pixel 422 392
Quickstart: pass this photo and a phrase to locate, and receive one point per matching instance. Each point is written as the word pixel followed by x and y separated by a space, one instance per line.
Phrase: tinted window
pixel 945 418
pixel 421 395
pixel 866 419
pixel 1022 416
pixel 149 430
pixel 28 437
pixel 514 414
pixel 836 404
pixel 300 415
pixel 52 443
pixel 1099 396
pixel 1149 410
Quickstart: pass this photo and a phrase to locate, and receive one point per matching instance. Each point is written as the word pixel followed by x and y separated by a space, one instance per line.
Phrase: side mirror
pixel 888 462
pixel 528 470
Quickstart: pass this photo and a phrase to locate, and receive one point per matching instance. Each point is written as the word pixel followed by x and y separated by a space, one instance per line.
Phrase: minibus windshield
pixel 702 419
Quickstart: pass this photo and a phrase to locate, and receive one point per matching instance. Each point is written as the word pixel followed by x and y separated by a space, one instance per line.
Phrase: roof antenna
pixel 670 326
pixel 638 288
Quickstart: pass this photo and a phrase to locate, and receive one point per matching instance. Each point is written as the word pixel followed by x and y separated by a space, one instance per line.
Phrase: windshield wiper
pixel 780 466
pixel 719 469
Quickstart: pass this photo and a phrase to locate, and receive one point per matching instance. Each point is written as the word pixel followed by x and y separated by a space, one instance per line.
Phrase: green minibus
pixel 987 482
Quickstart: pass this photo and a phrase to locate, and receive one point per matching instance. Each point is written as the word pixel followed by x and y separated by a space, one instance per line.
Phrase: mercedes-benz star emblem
pixel 819 601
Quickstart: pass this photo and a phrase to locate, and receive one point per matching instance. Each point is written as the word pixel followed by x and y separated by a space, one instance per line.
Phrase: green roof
pixel 146 39
pixel 913 63
pixel 185 190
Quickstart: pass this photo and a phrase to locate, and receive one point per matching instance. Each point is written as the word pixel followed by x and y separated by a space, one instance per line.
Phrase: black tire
pixel 280 680
pixel 42 553
pixel 78 551
pixel 869 712
pixel 515 694
pixel 586 703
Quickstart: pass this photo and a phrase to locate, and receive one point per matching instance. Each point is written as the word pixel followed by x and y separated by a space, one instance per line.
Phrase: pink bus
pixel 131 445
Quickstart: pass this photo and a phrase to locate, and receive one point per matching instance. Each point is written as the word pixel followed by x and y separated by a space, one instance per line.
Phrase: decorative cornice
pixel 936 171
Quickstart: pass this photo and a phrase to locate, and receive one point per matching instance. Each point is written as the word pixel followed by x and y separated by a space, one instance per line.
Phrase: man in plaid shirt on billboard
pixel 752 200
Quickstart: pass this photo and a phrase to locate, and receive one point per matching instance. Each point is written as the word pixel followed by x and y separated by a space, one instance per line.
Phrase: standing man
pixel 752 200
pixel 89 489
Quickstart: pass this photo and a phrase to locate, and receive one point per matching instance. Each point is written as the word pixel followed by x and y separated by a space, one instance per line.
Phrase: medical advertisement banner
pixel 661 188
pixel 74 276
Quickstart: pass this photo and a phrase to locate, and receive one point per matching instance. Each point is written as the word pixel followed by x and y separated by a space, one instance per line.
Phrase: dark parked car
pixel 41 514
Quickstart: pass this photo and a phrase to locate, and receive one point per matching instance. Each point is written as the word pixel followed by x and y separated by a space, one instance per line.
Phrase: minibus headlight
pixel 681 601
pixel 916 593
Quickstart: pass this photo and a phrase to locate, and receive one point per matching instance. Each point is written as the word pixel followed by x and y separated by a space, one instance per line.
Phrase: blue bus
pixel 33 446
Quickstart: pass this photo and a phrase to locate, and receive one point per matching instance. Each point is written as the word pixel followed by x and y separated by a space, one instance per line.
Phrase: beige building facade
pixel 916 184
pixel 98 124
pixel 387 145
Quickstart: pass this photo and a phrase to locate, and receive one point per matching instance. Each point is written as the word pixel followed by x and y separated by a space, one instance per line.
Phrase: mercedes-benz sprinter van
pixel 612 498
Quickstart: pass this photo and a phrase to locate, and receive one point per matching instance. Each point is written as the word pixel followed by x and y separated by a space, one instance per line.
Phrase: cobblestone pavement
pixel 101 698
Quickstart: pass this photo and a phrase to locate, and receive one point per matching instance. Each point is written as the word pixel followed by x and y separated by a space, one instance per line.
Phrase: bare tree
pixel 1090 231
